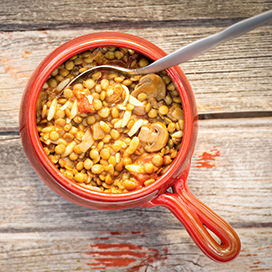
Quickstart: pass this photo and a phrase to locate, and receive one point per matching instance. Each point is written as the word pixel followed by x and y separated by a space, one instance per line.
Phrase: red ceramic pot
pixel 191 212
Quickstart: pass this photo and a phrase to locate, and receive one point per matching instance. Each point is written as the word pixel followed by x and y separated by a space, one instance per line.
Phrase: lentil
pixel 149 168
pixel 143 62
pixel 152 113
pixel 59 149
pixel 88 164
pixel 149 181
pixel 91 120
pixel 79 177
pixel 142 96
pixel 73 156
pixel 53 135
pixel 97 169
pixel 157 160
pixel 163 110
pixel 105 153
pixel 129 185
pixel 94 154
pixel 79 166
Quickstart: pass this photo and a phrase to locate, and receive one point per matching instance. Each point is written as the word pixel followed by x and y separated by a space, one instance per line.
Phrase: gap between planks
pixel 119 24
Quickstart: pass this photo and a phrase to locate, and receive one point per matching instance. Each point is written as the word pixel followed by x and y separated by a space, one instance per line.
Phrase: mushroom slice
pixel 175 113
pixel 152 85
pixel 154 137
pixel 139 111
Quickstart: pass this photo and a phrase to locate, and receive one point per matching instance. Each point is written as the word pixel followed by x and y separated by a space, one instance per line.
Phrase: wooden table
pixel 231 167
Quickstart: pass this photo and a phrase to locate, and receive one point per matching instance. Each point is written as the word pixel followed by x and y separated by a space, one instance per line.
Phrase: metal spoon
pixel 189 51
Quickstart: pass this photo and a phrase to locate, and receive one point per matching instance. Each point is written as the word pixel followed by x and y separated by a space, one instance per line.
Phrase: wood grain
pixel 147 250
pixel 234 77
pixel 34 15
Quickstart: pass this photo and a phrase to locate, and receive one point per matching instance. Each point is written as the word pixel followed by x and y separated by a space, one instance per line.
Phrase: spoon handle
pixel 196 48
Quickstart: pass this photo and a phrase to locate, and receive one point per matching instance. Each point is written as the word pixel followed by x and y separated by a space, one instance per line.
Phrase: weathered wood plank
pixel 234 156
pixel 35 15
pixel 235 77
pixel 231 172
pixel 144 251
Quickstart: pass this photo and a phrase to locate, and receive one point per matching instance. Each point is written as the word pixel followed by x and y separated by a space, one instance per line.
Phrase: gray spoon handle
pixel 196 48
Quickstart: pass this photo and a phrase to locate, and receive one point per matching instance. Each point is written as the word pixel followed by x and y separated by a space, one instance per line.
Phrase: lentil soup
pixel 111 133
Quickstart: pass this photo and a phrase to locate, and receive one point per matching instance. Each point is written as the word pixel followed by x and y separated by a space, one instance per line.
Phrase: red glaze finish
pixel 185 206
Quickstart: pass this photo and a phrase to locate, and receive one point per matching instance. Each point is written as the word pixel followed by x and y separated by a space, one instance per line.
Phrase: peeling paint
pixel 129 256
pixel 207 159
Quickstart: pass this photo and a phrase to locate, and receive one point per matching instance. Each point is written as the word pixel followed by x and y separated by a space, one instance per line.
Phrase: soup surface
pixel 111 132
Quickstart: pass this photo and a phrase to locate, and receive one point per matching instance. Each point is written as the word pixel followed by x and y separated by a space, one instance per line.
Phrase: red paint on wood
pixel 129 256
pixel 261 269
pixel 135 232
pixel 207 159
pixel 248 255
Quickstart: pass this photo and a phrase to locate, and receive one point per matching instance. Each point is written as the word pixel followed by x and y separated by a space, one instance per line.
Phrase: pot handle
pixel 195 215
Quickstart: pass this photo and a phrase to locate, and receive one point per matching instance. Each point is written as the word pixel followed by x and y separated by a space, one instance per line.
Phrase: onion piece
pixel 136 126
pixel 52 109
pixel 90 99
pixel 118 157
pixel 177 134
pixel 135 102
pixel 65 105
pixel 87 141
pixel 121 107
pixel 118 124
pixel 74 110
pixel 135 168
pixel 127 93
pixel 62 84
pixel 69 149
pixel 126 118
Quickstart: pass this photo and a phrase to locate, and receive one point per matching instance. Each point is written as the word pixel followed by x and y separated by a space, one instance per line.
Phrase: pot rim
pixel 80 44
